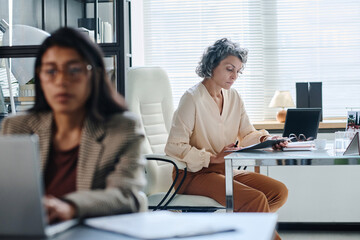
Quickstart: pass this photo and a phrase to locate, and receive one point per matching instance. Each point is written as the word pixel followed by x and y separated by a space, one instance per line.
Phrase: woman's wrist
pixel 73 208
pixel 263 138
pixel 214 159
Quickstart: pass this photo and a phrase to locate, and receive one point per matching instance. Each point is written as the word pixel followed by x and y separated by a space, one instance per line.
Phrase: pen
pixel 236 143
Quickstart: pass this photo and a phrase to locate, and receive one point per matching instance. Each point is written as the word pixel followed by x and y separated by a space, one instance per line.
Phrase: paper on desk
pixel 300 146
pixel 157 225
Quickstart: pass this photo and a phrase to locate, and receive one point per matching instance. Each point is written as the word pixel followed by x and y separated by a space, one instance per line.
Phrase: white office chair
pixel 148 94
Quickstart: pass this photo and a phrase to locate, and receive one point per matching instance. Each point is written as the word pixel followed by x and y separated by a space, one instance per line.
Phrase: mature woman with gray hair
pixel 210 118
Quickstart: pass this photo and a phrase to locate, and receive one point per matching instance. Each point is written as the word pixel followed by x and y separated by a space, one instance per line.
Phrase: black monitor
pixel 302 121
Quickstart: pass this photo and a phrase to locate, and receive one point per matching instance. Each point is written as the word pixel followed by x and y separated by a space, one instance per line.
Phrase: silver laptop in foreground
pixel 21 189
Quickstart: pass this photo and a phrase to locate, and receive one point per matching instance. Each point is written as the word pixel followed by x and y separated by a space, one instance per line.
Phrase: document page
pixel 158 225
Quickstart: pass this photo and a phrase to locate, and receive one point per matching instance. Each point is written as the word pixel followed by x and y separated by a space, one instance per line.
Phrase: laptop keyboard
pixel 56 228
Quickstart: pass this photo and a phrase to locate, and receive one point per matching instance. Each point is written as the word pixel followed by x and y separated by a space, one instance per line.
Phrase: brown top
pixel 60 174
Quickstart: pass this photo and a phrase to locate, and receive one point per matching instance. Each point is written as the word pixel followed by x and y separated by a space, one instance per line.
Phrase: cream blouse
pixel 199 131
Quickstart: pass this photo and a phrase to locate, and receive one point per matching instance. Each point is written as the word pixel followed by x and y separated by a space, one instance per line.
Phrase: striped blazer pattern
pixel 110 169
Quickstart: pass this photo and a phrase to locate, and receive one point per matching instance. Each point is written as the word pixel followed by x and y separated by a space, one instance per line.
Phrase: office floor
pixel 318 235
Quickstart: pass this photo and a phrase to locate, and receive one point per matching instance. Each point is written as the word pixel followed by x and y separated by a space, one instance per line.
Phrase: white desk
pixel 279 158
pixel 259 226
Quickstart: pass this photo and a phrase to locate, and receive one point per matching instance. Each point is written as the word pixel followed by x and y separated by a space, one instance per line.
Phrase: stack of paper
pixel 300 146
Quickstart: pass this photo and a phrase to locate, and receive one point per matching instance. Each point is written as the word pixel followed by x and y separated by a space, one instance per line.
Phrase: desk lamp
pixel 281 99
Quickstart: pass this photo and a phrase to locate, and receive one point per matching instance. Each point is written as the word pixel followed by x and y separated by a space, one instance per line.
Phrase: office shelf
pixel 50 15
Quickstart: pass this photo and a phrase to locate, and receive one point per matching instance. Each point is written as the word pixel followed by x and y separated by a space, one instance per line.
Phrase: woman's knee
pixel 254 201
pixel 282 192
pixel 279 197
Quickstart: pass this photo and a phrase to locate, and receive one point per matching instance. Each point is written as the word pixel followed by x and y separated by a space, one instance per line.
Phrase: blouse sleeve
pixel 247 134
pixel 178 144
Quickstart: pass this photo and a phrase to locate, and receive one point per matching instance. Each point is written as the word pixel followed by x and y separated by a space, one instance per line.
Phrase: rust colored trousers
pixel 253 192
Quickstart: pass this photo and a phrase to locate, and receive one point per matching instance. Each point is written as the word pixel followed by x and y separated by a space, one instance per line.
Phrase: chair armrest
pixel 180 165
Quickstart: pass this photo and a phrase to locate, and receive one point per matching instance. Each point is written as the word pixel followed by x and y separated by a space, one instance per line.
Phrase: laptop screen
pixel 21 200
pixel 20 183
pixel 302 121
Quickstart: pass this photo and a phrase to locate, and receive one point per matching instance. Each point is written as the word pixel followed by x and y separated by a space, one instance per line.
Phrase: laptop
pixel 21 209
pixel 302 121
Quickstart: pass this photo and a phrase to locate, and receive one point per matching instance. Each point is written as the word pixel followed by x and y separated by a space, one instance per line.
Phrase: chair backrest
pixel 148 94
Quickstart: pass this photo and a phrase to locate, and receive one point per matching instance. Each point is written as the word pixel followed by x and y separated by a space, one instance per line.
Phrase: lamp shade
pixel 281 99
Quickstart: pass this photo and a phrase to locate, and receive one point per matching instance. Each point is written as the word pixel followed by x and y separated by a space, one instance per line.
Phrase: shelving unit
pixel 50 15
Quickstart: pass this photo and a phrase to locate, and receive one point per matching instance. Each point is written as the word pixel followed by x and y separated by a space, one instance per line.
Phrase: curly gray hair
pixel 214 54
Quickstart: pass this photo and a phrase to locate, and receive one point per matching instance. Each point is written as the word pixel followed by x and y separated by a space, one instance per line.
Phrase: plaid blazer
pixel 110 169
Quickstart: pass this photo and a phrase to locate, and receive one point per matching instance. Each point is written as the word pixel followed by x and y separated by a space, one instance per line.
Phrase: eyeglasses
pixel 72 72
pixel 300 138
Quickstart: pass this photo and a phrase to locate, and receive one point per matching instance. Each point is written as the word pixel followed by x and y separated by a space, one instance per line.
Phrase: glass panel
pixel 22 22
pixel 25 23
pixel 6 73
pixel 110 66
pixel 21 11
pixel 106 20
pixel 4 85
pixel 18 73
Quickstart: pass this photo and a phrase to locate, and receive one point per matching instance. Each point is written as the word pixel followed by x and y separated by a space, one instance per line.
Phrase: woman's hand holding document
pixel 276 143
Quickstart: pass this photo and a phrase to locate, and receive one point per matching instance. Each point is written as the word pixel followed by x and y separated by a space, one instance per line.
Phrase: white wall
pixel 137 33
